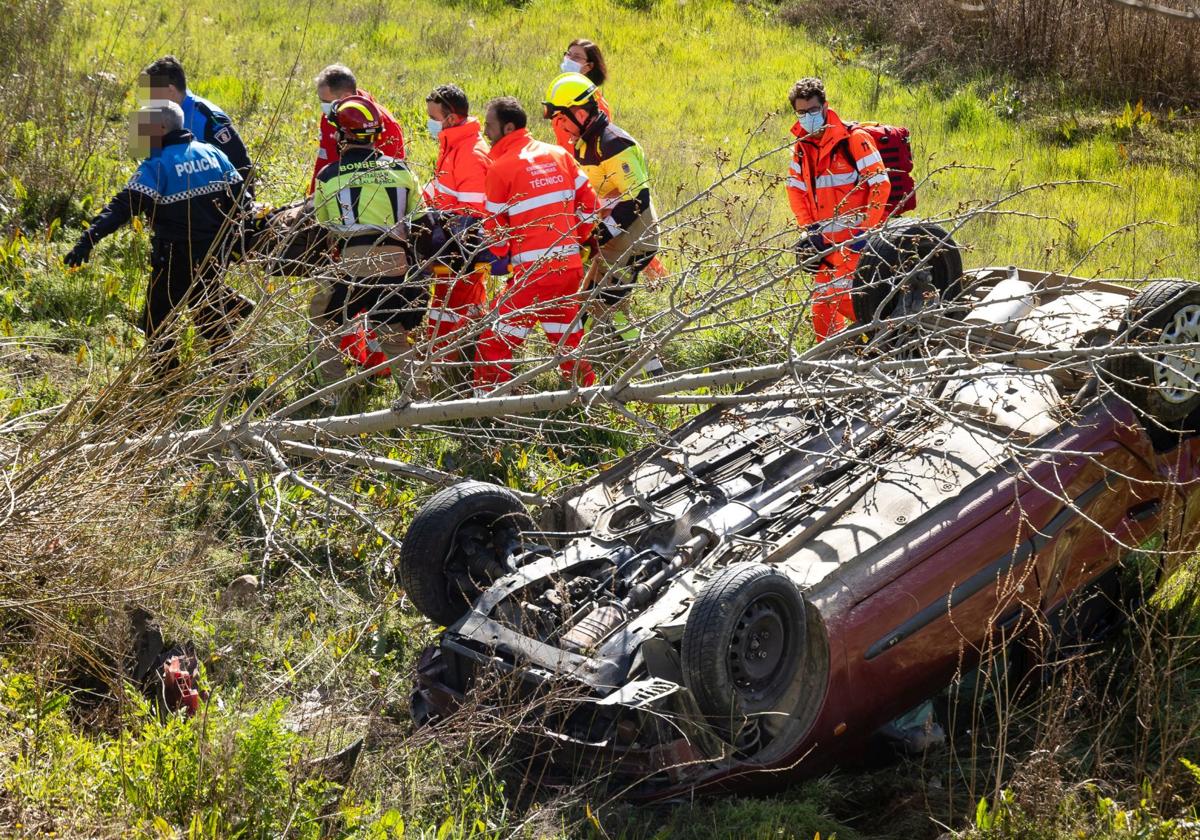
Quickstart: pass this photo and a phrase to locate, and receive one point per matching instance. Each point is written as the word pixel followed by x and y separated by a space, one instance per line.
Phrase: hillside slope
pixel 322 655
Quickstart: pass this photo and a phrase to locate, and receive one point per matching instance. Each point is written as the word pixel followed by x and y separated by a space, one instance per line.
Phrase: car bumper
pixel 647 771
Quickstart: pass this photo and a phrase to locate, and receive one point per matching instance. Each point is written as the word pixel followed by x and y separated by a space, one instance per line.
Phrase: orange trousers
pixel 832 304
pixel 548 298
pixel 456 301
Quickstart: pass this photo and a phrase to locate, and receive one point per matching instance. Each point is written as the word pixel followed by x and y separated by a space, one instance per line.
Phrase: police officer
pixel 366 199
pixel 164 79
pixel 187 190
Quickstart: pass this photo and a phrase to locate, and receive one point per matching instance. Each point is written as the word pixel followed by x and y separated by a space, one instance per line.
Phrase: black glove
pixel 499 265
pixel 78 255
pixel 810 245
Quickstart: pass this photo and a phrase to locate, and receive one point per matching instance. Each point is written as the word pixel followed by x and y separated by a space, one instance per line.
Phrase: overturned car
pixel 749 600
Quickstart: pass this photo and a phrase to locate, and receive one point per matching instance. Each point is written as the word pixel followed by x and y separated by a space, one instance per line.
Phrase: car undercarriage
pixel 782 575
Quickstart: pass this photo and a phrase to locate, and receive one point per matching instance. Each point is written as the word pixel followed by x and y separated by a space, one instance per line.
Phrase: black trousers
pixel 389 300
pixel 180 276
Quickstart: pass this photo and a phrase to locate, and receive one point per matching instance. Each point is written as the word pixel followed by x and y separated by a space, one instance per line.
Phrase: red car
pixel 748 601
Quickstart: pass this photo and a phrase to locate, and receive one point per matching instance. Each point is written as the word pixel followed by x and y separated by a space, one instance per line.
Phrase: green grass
pixel 688 80
pixel 695 82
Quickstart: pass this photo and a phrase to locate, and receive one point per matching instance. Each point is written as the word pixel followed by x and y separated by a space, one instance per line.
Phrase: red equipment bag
pixel 180 672
pixel 893 144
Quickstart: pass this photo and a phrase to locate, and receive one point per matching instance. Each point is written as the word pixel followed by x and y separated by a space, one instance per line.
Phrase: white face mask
pixel 570 66
pixel 326 108
pixel 434 126
pixel 812 123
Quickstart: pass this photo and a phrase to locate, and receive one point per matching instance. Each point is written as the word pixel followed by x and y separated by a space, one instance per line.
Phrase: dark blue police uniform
pixel 189 192
pixel 211 125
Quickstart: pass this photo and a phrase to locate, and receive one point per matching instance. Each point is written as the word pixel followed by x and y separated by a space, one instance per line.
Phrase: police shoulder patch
pixel 224 135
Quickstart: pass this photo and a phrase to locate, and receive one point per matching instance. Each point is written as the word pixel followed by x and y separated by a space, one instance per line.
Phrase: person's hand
pixel 809 246
pixel 858 242
pixel 78 255
pixel 499 264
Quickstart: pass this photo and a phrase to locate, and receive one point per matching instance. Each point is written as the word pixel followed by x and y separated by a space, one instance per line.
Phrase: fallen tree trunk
pixel 809 364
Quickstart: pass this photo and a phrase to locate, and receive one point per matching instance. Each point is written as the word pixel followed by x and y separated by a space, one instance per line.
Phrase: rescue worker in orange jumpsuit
pixel 583 56
pixel 541 210
pixel 838 188
pixel 337 82
pixel 457 188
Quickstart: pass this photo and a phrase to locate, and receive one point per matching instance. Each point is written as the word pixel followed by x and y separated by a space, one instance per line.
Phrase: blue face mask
pixel 435 128
pixel 326 108
pixel 812 123
pixel 570 66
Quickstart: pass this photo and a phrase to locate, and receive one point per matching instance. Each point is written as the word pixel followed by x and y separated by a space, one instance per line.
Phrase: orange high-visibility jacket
pixel 541 207
pixel 837 192
pixel 460 174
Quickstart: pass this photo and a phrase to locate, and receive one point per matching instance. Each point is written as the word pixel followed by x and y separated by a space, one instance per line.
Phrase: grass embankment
pixel 693 82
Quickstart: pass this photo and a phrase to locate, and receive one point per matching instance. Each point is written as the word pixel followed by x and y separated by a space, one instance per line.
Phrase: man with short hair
pixel 337 82
pixel 838 188
pixel 542 211
pixel 627 233
pixel 366 200
pixel 187 190
pixel 457 189
pixel 164 79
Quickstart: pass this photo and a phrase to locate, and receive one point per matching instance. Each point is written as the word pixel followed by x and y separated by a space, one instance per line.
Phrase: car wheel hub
pixel 756 650
pixel 1176 373
pixel 477 540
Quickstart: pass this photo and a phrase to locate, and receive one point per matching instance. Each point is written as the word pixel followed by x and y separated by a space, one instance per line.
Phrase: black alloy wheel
pixel 743 644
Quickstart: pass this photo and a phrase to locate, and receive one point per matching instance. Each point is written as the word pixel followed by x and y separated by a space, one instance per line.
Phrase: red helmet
pixel 357 118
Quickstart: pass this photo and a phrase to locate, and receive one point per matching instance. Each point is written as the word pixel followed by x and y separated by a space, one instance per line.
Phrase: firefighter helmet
pixel 568 91
pixel 356 118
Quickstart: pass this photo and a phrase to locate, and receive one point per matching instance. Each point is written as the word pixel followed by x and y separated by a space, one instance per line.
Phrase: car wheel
pixel 743 643
pixel 458 543
pixel 1161 385
pixel 891 255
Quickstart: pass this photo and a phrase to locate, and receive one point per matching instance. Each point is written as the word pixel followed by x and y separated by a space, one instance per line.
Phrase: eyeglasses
pixel 816 109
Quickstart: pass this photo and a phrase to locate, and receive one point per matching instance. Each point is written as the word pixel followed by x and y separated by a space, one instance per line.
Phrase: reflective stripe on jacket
pixel 837 183
pixel 390 141
pixel 460 174
pixel 540 206
pixel 616 167
pixel 366 195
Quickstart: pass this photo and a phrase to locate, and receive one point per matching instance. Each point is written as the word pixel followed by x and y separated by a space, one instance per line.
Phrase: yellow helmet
pixel 570 90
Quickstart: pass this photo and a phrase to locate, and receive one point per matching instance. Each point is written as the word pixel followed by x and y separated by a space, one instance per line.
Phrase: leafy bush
pixel 217 775
pixel 55 116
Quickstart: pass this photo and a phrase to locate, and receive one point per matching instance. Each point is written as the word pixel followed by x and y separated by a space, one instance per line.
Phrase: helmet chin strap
pixel 570 112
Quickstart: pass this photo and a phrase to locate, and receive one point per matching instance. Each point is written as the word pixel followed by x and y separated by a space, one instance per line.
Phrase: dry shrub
pixel 1097 48
pixel 54 115
pixel 89 535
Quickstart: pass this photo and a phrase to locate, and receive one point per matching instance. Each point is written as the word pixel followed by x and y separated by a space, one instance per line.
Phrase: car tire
pixel 1165 312
pixel 458 543
pixel 891 254
pixel 747 610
